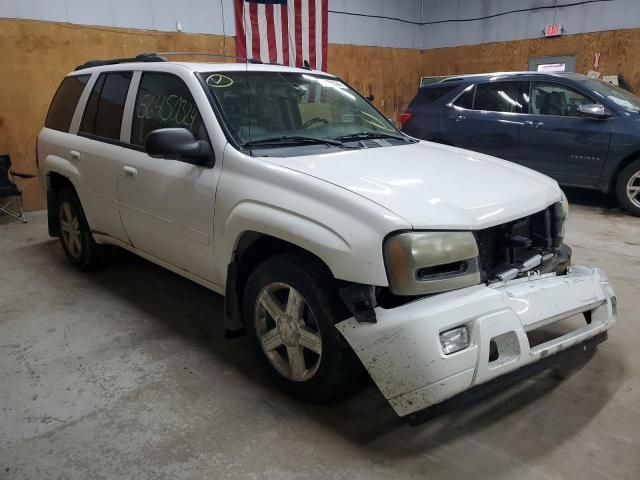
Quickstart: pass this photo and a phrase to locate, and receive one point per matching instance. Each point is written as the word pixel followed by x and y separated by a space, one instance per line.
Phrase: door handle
pixel 75 155
pixel 457 118
pixel 533 123
pixel 130 171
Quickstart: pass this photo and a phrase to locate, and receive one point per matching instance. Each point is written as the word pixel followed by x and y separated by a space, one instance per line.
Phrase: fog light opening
pixel 454 340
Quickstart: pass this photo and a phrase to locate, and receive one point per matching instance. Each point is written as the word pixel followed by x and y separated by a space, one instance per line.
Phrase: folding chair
pixel 9 190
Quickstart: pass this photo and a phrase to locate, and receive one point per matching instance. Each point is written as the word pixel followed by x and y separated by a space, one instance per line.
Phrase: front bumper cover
pixel 402 351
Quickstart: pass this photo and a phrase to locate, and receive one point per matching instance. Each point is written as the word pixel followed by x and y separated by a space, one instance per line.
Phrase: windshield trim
pixel 237 145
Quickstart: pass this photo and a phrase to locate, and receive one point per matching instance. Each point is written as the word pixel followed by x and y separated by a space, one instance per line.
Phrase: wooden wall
pixel 34 56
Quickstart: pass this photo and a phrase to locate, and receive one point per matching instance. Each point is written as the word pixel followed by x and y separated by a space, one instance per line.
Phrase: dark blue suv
pixel 581 131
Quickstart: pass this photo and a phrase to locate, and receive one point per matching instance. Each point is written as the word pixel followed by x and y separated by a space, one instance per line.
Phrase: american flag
pixel 283 31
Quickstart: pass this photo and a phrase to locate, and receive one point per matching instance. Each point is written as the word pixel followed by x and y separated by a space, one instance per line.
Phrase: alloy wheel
pixel 70 230
pixel 288 331
pixel 633 189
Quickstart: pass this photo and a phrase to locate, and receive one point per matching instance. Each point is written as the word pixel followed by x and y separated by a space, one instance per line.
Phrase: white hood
pixel 434 186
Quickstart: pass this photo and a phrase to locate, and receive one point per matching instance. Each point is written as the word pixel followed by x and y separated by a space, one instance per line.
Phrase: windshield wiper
pixel 370 135
pixel 292 139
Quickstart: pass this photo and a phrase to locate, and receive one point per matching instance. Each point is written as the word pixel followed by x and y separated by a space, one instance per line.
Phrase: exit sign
pixel 553 30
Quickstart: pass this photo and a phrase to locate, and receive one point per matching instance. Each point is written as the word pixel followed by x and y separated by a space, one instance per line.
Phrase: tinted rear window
pixel 64 102
pixel 498 97
pixel 429 95
pixel 103 113
pixel 466 99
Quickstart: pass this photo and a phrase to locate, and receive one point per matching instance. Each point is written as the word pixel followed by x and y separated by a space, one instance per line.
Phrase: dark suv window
pixel 548 98
pixel 465 100
pixel 429 95
pixel 103 113
pixel 64 102
pixel 498 97
pixel 164 101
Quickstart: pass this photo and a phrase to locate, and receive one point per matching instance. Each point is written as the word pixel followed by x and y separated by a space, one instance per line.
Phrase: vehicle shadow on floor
pixel 592 198
pixel 364 418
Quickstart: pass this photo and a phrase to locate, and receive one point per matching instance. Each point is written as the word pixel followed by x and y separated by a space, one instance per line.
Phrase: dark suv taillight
pixel 405 117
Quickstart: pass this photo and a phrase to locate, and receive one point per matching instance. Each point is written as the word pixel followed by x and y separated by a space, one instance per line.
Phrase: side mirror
pixel 592 111
pixel 178 144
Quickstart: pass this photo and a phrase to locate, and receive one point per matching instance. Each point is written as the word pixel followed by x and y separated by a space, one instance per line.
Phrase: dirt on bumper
pixel 403 354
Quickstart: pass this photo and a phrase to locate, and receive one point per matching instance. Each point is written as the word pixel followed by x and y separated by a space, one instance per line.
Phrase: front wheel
pixel 290 309
pixel 628 188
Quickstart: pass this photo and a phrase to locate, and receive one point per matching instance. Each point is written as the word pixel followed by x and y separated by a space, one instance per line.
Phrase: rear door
pixel 486 118
pixel 98 152
pixel 558 142
pixel 166 205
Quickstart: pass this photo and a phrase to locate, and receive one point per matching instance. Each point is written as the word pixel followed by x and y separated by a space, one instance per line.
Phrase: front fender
pixel 336 251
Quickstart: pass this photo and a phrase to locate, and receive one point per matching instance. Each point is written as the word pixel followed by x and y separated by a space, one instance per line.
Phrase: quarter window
pixel 64 102
pixel 556 99
pixel 466 99
pixel 498 97
pixel 103 113
pixel 164 101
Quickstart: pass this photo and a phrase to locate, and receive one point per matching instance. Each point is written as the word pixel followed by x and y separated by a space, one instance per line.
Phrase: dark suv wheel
pixel 628 188
pixel 290 309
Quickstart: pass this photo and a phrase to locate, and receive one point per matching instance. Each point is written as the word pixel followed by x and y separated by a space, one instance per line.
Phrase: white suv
pixel 328 231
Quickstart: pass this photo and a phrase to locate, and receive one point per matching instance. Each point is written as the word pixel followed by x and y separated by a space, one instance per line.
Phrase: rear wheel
pixel 75 236
pixel 628 188
pixel 290 309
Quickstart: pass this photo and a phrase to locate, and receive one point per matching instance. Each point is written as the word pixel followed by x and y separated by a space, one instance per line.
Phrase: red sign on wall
pixel 553 30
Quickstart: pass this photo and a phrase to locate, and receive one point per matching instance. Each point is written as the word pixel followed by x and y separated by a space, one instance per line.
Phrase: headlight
pixel 560 220
pixel 430 262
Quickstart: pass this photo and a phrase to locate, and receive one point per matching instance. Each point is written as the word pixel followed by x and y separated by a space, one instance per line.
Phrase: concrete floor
pixel 123 373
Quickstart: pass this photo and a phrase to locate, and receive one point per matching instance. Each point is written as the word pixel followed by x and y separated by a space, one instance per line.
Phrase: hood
pixel 434 186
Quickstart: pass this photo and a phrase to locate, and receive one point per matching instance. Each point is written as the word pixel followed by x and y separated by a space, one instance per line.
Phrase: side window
pixel 64 102
pixel 103 113
pixel 548 98
pixel 466 99
pixel 498 97
pixel 164 101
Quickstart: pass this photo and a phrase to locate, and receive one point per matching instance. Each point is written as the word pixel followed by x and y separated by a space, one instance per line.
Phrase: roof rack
pixel 160 57
pixel 217 55
pixel 143 57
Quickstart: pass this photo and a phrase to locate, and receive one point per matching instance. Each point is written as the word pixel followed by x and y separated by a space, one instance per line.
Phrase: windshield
pixel 295 108
pixel 621 97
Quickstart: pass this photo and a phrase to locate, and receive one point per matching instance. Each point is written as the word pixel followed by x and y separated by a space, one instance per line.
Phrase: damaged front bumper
pixel 403 354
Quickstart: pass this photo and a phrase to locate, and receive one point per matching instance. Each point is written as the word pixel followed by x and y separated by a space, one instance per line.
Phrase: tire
pixel 628 188
pixel 283 339
pixel 75 236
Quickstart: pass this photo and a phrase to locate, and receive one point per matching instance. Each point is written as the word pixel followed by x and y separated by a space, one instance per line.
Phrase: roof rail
pixel 160 57
pixel 218 55
pixel 143 57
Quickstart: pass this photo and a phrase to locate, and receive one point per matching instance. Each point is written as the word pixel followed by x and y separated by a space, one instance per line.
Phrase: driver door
pixel 166 206
pixel 557 141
